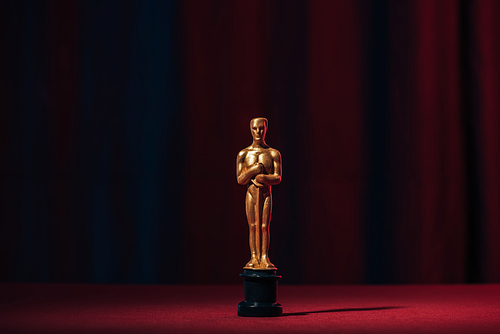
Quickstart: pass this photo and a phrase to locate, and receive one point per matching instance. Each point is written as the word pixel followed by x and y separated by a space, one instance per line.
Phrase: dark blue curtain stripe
pixel 130 101
pixel 378 221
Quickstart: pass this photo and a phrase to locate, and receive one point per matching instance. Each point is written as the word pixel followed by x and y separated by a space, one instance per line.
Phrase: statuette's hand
pixel 257 184
pixel 259 167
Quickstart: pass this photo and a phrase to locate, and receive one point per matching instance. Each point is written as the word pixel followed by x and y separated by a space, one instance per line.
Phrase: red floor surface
pixel 54 308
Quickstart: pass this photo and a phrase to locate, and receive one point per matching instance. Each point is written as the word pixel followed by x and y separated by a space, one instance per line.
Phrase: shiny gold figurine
pixel 259 167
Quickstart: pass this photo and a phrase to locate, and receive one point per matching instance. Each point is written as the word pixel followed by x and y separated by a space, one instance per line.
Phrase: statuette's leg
pixel 252 226
pixel 258 217
pixel 265 263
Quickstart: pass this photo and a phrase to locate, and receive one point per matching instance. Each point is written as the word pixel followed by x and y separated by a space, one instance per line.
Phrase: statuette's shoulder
pixel 242 154
pixel 275 153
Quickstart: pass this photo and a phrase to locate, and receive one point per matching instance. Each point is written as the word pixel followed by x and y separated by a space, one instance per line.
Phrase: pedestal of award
pixel 260 294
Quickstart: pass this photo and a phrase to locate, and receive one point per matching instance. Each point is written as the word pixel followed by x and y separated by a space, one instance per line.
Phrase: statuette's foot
pixel 252 264
pixel 266 264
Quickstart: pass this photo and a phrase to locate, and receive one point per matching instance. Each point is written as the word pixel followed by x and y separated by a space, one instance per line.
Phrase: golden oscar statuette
pixel 259 167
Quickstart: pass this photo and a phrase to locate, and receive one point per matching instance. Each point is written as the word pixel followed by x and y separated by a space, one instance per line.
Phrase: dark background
pixel 121 120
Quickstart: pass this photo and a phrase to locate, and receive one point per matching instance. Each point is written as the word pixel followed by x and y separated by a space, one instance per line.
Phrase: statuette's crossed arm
pixel 275 178
pixel 245 176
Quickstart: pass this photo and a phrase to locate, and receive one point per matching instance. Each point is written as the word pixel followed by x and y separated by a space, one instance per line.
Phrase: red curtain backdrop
pixel 487 68
pixel 122 122
pixel 415 208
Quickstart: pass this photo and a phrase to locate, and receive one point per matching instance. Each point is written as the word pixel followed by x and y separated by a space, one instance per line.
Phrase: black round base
pixel 248 309
pixel 260 294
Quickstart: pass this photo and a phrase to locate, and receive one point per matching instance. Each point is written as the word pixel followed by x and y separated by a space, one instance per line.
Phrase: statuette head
pixel 258 128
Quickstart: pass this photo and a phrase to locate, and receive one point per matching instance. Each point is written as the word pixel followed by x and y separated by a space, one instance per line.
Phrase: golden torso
pixel 259 155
